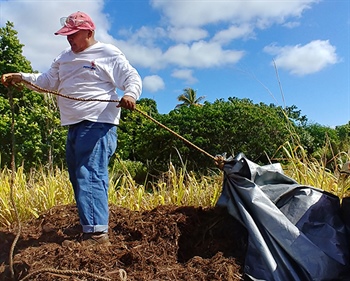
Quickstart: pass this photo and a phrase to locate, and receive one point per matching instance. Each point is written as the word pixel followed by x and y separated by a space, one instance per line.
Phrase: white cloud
pixel 184 74
pixel 147 35
pixel 303 60
pixel 201 13
pixel 140 55
pixel 201 55
pixel 291 24
pixel 188 34
pixel 234 32
pixel 153 83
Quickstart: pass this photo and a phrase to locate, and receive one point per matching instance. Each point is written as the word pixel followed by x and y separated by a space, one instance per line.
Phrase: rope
pixel 34 87
pixel 122 274
pixel 176 134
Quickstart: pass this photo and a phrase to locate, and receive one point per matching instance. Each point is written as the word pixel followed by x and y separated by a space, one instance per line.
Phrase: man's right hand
pixel 11 79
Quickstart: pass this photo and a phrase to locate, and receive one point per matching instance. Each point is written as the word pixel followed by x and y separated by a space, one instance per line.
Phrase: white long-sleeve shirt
pixel 94 73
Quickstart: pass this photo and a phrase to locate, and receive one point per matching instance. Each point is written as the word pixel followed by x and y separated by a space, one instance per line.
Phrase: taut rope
pixel 42 90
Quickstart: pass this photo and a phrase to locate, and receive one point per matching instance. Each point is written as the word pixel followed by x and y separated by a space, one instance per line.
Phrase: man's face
pixel 79 41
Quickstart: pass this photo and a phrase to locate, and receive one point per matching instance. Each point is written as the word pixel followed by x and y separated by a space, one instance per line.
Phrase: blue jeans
pixel 89 148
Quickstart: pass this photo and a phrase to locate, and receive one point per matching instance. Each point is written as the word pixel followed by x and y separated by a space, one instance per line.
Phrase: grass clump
pixel 314 172
pixel 33 193
pixel 174 187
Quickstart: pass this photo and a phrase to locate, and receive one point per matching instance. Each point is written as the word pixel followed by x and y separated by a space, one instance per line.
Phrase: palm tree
pixel 189 97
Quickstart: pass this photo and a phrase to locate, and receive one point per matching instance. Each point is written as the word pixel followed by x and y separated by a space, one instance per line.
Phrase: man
pixel 88 69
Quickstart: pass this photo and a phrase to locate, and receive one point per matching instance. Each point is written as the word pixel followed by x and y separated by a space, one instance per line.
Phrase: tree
pixel 130 136
pixel 39 138
pixel 343 133
pixel 231 126
pixel 189 98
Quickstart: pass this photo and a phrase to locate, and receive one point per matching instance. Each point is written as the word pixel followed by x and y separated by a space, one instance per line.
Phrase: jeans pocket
pixel 112 140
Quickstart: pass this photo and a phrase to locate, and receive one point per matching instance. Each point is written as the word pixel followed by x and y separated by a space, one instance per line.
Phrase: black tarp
pixel 296 232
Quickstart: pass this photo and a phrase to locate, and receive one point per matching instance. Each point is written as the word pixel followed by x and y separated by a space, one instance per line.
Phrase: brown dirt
pixel 167 243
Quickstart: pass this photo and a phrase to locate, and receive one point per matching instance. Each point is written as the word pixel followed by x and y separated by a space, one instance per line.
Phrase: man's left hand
pixel 127 102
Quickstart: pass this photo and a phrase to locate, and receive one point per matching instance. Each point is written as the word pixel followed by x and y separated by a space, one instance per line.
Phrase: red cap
pixel 75 22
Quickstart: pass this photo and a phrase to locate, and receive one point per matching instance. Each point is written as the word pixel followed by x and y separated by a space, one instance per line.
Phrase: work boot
pixel 95 238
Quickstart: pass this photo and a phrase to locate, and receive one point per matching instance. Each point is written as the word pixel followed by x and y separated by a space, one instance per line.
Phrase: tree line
pixel 224 126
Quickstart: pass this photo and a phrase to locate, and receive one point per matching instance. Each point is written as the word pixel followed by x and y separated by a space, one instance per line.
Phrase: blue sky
pixel 286 52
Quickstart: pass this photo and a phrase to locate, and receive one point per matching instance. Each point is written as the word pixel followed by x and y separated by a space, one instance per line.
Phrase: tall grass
pixel 34 193
pixel 42 189
pixel 312 172
pixel 176 187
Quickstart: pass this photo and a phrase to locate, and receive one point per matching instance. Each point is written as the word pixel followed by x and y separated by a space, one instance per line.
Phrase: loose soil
pixel 166 243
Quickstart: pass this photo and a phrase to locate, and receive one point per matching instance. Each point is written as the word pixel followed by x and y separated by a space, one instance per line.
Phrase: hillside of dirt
pixel 167 243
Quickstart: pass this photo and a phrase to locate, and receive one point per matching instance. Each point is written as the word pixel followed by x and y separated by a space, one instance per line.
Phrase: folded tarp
pixel 296 232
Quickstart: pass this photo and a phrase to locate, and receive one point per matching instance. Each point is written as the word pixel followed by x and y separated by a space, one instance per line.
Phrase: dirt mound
pixel 167 243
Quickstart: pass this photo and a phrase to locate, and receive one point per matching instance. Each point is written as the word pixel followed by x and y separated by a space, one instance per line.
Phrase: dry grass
pixel 40 190
pixel 313 172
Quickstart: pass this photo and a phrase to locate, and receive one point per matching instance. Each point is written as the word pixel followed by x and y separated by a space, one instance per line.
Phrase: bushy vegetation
pixel 39 139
